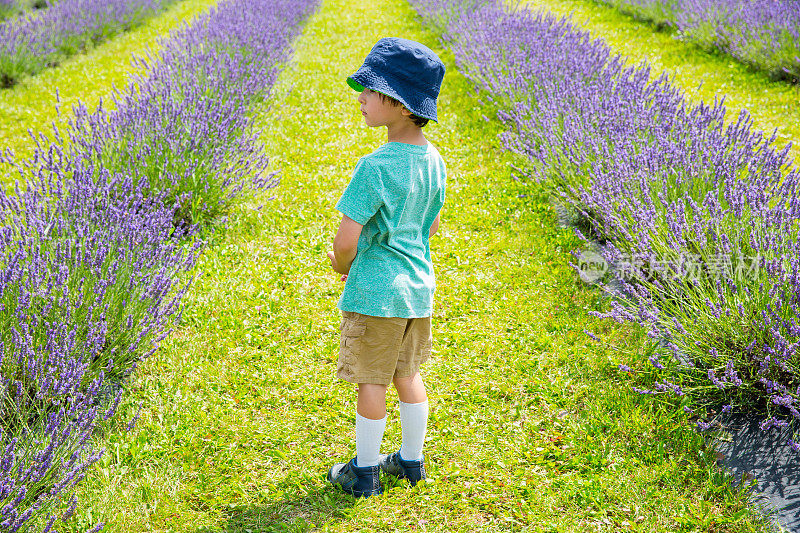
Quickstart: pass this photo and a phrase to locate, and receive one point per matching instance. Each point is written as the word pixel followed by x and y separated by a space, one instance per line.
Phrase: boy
pixel 390 210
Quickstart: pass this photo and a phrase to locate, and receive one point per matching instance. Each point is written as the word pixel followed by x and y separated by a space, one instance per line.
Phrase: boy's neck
pixel 406 132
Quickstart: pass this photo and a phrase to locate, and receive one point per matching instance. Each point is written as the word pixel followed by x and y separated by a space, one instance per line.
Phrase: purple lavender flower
pixel 773 422
pixel 668 386
pixel 713 378
pixel 591 335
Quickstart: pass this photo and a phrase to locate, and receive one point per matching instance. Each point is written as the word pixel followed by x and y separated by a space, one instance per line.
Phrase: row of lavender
pixel 10 8
pixel 96 251
pixel 40 39
pixel 699 221
pixel 763 34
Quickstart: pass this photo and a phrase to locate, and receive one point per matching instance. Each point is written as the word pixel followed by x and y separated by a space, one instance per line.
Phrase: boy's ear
pixel 404 110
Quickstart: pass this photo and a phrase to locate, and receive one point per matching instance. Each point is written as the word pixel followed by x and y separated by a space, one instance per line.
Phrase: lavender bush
pixel 698 217
pixel 765 35
pixel 41 39
pixel 184 124
pixel 94 253
pixel 89 283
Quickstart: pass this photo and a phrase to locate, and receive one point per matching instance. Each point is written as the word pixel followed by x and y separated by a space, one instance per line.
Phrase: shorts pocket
pixel 352 335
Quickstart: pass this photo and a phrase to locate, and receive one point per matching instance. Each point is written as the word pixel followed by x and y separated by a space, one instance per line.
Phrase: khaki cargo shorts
pixel 374 349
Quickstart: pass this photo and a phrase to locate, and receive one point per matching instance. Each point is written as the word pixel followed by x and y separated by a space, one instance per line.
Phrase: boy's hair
pixel 419 121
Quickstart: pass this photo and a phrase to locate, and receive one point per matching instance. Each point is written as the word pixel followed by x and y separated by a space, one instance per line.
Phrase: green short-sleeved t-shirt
pixel 395 193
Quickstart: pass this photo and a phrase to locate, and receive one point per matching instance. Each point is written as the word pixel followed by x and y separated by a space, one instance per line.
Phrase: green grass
pixel 6 12
pixel 772 104
pixel 531 428
pixel 82 78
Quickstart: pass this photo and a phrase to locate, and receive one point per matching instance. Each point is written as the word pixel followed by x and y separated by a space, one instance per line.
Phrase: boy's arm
pixel 435 225
pixel 345 244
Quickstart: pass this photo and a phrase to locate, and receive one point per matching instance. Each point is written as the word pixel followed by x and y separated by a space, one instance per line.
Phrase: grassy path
pixel 84 77
pixel 530 427
pixel 771 104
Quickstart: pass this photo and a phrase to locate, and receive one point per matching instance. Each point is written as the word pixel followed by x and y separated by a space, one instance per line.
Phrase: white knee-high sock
pixel 369 434
pixel 413 422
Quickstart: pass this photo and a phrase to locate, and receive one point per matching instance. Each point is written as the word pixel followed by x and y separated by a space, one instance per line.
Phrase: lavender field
pixel 40 39
pixel 696 215
pixel 98 247
pixel 155 278
pixel 765 35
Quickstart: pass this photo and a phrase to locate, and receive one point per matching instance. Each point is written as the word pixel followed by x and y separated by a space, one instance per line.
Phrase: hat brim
pixel 355 85
pixel 379 84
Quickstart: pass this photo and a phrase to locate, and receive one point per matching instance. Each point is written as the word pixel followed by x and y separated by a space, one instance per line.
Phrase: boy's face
pixel 376 112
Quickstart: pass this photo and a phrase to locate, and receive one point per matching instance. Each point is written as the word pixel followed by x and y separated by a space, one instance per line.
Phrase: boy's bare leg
pixel 413 415
pixel 370 423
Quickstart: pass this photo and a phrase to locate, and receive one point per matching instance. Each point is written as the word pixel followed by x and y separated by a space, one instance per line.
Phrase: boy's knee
pixel 371 400
pixel 410 389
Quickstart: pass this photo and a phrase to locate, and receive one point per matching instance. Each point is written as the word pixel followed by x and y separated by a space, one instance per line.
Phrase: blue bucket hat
pixel 408 71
